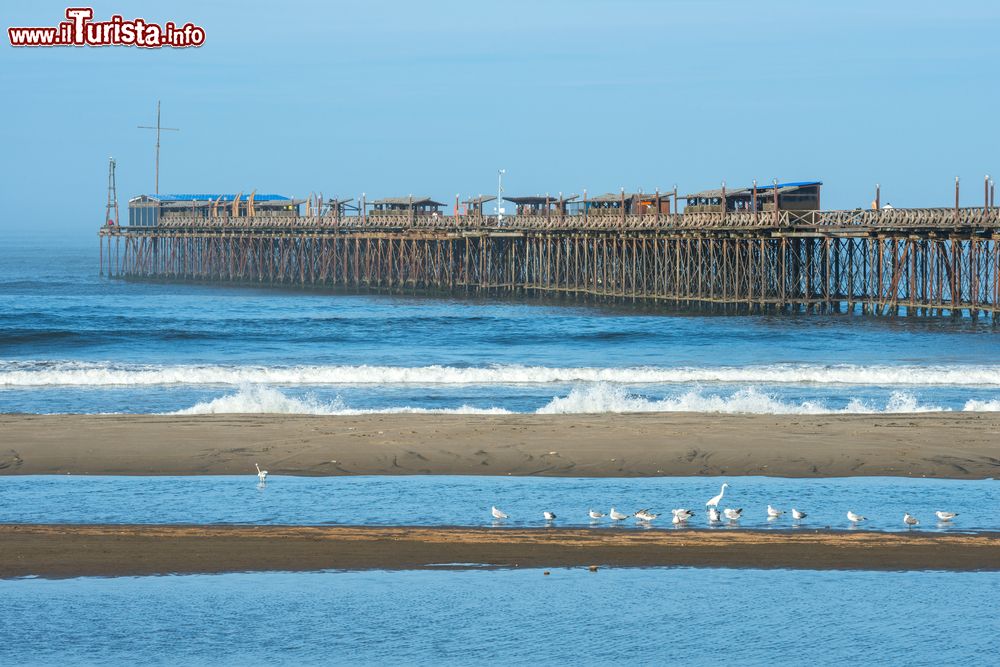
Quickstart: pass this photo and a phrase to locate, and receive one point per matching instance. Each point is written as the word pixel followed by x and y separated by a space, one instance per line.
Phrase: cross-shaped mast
pixel 158 128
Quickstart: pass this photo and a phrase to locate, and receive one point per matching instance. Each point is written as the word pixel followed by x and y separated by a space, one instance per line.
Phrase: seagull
pixel 261 474
pixel 731 514
pixel 798 515
pixel 680 519
pixel 773 513
pixel 714 502
pixel 645 515
pixel 596 515
pixel 910 520
pixel 714 516
pixel 616 515
pixel 683 513
pixel 497 514
pixel 854 518
pixel 549 516
pixel 946 516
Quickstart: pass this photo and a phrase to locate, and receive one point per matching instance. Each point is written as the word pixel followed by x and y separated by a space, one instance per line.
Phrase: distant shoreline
pixel 941 445
pixel 57 551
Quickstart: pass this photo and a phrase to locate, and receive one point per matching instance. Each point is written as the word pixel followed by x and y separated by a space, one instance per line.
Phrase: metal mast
pixel 112 196
pixel 158 128
pixel 500 174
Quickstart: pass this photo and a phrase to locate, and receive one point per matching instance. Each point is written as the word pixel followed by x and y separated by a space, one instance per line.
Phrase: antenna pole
pixel 112 206
pixel 158 129
pixel 500 174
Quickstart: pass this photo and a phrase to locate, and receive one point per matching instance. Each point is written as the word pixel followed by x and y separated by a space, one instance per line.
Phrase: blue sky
pixel 398 97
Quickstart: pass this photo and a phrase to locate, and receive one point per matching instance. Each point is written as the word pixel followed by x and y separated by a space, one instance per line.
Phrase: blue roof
pixel 216 196
pixel 797 184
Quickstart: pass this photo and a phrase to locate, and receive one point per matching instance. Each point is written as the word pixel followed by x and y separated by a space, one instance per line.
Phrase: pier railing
pixel 917 219
pixel 929 262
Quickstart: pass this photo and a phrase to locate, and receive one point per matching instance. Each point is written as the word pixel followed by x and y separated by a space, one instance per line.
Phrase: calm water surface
pixel 458 500
pixel 507 617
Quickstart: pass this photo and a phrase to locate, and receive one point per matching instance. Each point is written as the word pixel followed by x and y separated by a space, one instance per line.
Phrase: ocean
pixel 74 342
pixel 508 617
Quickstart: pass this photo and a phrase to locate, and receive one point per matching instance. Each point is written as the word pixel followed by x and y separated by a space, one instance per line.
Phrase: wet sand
pixel 956 445
pixel 57 551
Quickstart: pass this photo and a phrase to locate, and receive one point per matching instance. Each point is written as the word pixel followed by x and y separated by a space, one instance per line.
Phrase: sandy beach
pixel 118 550
pixel 945 445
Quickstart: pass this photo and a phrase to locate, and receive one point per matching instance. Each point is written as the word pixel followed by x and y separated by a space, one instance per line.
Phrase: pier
pixel 736 252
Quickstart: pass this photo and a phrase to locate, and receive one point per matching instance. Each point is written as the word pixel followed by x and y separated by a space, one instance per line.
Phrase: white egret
pixel 497 514
pixel 261 474
pixel 945 516
pixel 714 502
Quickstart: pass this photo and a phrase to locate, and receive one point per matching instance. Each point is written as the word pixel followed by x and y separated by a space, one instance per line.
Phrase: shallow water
pixel 509 617
pixel 71 341
pixel 459 500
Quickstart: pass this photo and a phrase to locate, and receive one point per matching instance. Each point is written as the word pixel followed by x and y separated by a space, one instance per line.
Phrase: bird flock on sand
pixel 680 516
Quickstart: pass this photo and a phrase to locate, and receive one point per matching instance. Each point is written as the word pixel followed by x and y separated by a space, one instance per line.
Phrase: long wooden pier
pixel 918 262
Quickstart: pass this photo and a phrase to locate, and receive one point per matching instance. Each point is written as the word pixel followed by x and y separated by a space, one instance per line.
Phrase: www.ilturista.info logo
pixel 80 30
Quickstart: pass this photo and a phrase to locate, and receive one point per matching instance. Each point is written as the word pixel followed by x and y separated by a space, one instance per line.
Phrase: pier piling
pixel 921 262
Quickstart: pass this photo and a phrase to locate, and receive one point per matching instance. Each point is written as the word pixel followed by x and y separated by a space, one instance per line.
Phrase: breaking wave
pixel 53 374
pixel 267 400
pixel 981 406
pixel 599 398
pixel 749 400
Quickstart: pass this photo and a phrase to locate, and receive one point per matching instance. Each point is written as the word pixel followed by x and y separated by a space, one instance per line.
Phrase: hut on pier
pixel 474 205
pixel 719 200
pixel 633 203
pixel 540 204
pixel 798 196
pixel 339 208
pixel 406 206
pixel 150 210
pixel 801 196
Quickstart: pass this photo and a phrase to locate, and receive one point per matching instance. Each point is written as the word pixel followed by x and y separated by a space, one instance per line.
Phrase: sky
pixel 392 98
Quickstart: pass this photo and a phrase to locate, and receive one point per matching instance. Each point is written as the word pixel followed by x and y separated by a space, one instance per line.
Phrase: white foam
pixel 599 398
pixel 54 374
pixel 974 405
pixel 750 400
pixel 267 400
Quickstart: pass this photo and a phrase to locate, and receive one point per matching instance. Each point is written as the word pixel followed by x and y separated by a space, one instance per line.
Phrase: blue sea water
pixel 72 341
pixel 508 617
pixel 429 500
